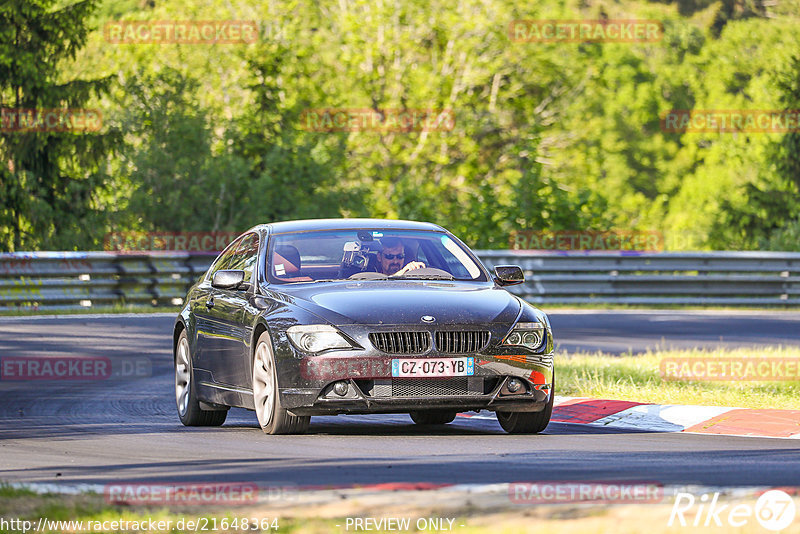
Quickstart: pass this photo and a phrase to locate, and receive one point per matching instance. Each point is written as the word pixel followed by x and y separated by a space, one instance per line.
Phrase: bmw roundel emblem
pixel 428 318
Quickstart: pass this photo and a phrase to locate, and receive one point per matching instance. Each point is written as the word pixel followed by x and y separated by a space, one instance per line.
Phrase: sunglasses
pixel 393 256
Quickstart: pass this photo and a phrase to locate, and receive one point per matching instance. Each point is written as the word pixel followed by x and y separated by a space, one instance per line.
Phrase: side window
pixel 246 256
pixel 224 261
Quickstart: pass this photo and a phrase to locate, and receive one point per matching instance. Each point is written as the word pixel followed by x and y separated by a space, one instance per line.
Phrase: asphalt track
pixel 125 429
pixel 636 331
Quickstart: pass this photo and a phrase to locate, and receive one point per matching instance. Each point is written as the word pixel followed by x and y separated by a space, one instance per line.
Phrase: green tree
pixel 766 205
pixel 292 174
pixel 48 180
pixel 787 151
pixel 179 180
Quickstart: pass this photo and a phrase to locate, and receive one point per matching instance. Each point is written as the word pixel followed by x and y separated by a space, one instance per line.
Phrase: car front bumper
pixel 306 381
pixel 308 403
pixel 373 391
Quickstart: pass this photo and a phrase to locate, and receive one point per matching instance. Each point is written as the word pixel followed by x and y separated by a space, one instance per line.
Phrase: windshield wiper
pixel 368 275
pixel 410 276
pixel 376 276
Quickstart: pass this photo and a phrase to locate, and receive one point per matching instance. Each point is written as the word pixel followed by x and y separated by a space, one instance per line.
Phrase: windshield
pixel 368 254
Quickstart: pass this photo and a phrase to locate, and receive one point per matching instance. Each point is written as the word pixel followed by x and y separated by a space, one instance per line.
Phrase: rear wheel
pixel 272 416
pixel 528 422
pixel 189 409
pixel 433 417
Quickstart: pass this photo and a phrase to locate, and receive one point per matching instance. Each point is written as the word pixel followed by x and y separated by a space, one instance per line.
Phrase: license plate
pixel 433 367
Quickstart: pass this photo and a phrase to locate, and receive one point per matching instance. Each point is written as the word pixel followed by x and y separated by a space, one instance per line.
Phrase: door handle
pixel 210 303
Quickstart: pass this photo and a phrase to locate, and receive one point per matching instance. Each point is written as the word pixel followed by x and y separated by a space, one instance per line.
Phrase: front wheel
pixel 272 416
pixel 528 422
pixel 189 409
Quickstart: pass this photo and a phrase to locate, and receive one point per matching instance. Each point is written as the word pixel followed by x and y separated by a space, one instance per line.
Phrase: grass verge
pixel 639 378
pixel 492 513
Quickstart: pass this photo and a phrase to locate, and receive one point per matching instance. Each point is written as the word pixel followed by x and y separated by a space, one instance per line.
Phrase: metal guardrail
pixel 62 280
pixel 53 280
pixel 694 278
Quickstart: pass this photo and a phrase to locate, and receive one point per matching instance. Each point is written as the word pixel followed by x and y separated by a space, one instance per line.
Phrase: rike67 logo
pixel 774 510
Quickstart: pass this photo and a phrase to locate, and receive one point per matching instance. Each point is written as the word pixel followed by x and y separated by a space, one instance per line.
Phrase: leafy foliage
pixel 48 179
pixel 546 135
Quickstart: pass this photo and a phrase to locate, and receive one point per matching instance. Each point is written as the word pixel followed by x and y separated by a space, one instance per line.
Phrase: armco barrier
pixel 54 280
pixel 42 280
pixel 693 278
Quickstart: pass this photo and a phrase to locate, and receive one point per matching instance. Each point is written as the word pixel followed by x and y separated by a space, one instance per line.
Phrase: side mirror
pixel 508 275
pixel 227 279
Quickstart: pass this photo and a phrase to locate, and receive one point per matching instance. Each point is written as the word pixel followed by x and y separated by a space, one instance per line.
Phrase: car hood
pixel 405 302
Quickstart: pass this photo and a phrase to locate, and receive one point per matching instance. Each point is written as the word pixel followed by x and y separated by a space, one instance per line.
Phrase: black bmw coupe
pixel 357 316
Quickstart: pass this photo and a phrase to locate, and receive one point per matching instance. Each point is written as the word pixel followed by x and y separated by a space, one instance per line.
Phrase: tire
pixel 188 405
pixel 272 416
pixel 528 422
pixel 433 417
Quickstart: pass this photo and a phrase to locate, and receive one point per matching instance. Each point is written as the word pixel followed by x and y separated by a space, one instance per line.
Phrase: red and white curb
pixel 629 415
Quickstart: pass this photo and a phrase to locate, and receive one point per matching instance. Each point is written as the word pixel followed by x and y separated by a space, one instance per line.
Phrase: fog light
pixel 513 385
pixel 340 388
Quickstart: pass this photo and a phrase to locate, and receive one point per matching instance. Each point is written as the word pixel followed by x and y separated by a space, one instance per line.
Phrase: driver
pixel 391 256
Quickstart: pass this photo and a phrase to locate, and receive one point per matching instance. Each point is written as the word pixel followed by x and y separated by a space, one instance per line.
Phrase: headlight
pixel 317 338
pixel 528 335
